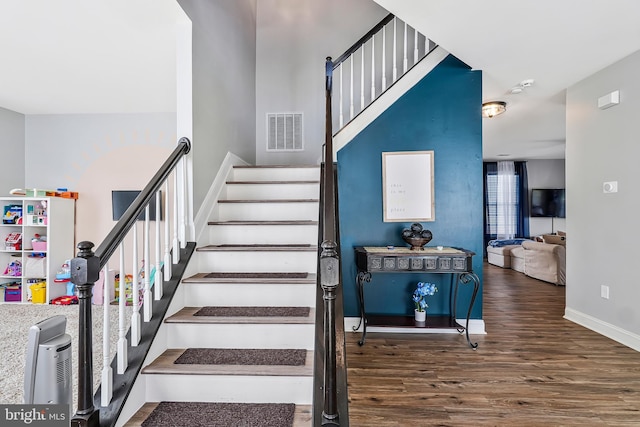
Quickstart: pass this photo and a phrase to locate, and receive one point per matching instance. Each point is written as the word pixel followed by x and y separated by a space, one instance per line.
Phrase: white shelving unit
pixel 57 223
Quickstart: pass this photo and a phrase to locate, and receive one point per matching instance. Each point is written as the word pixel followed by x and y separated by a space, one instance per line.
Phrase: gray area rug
pixel 253 311
pixel 198 414
pixel 256 275
pixel 224 356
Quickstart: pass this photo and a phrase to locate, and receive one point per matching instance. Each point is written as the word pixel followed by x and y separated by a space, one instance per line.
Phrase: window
pixel 502 209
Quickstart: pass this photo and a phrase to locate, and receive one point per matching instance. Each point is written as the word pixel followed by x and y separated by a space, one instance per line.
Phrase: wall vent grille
pixel 284 132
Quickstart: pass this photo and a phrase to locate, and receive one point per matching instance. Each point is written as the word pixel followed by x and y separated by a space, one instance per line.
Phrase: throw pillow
pixel 554 239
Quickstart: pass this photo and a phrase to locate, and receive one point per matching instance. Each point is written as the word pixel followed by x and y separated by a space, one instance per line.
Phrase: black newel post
pixel 85 271
pixel 329 281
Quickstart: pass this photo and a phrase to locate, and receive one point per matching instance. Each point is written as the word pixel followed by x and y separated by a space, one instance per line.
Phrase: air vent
pixel 284 132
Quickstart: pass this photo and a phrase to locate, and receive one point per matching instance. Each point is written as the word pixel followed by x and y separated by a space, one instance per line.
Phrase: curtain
pixel 507 194
pixel 516 212
pixel 522 225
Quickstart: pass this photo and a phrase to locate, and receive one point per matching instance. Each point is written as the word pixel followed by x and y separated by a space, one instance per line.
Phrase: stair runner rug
pixel 225 356
pixel 202 414
pixel 253 311
pixel 256 275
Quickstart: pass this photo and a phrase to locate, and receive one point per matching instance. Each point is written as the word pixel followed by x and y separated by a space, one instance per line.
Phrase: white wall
pixel 546 174
pixel 224 70
pixel 293 39
pixel 602 145
pixel 94 154
pixel 12 143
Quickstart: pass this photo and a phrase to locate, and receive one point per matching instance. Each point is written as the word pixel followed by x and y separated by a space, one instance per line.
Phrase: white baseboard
pixel 607 329
pixel 476 327
pixel 204 213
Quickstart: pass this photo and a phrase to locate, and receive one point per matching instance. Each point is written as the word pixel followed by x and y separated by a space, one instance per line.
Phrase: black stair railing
pixel 331 395
pixel 85 271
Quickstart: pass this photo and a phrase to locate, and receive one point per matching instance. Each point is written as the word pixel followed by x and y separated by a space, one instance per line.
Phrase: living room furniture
pixel 389 259
pixel 541 260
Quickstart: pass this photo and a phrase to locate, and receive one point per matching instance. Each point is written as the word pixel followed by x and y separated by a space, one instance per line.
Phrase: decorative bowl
pixel 417 242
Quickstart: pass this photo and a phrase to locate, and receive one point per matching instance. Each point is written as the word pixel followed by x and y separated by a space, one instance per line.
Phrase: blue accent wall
pixel 441 113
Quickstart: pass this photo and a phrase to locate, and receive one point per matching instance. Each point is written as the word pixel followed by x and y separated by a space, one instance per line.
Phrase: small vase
pixel 420 316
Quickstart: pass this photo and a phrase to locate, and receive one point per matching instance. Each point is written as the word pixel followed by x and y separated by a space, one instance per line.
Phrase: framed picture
pixel 407 186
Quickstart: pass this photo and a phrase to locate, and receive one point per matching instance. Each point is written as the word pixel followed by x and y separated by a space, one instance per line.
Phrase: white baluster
pixel 167 236
pixel 147 300
pixel 341 114
pixel 183 203
pixel 395 57
pixel 157 276
pixel 384 58
pixel 362 79
pixel 135 289
pixel 122 340
pixel 415 46
pixel 405 61
pixel 373 68
pixel 176 245
pixel 351 90
pixel 107 373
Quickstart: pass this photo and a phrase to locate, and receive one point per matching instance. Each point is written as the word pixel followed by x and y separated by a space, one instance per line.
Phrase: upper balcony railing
pixel 374 63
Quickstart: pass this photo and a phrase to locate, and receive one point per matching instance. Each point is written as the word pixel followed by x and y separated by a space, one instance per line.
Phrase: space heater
pixel 47 374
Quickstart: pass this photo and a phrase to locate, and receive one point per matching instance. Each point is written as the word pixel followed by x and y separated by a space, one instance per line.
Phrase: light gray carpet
pixel 15 321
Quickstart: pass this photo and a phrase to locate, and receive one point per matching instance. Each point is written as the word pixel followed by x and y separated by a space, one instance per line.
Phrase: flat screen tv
pixel 122 199
pixel 548 202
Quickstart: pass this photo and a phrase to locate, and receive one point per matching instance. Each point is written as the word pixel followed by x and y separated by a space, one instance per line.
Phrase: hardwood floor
pixel 533 368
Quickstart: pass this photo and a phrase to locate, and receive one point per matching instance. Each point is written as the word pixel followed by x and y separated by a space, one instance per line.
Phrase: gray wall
pixel 546 174
pixel 12 128
pixel 224 76
pixel 602 145
pixel 94 154
pixel 294 38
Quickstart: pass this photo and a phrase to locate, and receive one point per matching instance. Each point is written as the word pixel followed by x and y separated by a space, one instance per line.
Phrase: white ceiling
pixel 78 56
pixel 74 56
pixel 556 42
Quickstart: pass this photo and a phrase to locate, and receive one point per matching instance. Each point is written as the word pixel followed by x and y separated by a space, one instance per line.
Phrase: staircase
pixel 240 351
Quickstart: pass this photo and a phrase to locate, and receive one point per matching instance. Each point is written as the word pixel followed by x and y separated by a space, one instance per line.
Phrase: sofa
pixel 542 259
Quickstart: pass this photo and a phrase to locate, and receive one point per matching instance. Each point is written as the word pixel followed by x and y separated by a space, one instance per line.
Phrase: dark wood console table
pixel 454 261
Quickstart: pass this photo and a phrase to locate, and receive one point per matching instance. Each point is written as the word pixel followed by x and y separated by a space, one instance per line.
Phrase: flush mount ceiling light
pixel 493 108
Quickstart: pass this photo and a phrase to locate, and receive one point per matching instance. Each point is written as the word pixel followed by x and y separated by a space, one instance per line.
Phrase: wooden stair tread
pixel 243 278
pixel 302 415
pixel 268 201
pixel 187 315
pixel 275 166
pixel 286 222
pixel 302 247
pixel 274 182
pixel 164 364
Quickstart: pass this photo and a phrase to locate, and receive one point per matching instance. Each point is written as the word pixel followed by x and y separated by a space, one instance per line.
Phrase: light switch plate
pixel 610 187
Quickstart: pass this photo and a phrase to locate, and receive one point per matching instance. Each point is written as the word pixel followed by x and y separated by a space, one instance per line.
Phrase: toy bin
pixel 39 246
pixel 38 293
pixel 12 294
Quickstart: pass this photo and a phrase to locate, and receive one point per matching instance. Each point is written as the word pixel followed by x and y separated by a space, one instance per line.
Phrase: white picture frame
pixel 408 186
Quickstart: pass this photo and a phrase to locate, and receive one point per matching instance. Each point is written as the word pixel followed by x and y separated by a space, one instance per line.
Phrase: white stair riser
pixel 183 335
pixel 276 174
pixel 229 388
pixel 268 211
pixel 263 234
pixel 250 261
pixel 249 294
pixel 272 191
